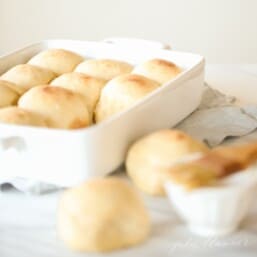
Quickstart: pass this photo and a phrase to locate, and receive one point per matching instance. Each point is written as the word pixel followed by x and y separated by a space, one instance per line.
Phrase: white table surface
pixel 27 223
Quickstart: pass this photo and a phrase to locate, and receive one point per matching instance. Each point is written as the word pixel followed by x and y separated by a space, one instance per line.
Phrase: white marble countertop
pixel 27 223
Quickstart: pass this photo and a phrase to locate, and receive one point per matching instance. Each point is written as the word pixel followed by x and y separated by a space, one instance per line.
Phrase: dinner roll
pixel 103 214
pixel 7 95
pixel 192 175
pixel 122 92
pixel 63 108
pixel 158 70
pixel 89 87
pixel 19 116
pixel 57 60
pixel 104 68
pixel 26 76
pixel 150 158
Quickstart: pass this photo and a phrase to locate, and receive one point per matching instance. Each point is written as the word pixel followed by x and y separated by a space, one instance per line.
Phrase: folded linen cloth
pixel 219 117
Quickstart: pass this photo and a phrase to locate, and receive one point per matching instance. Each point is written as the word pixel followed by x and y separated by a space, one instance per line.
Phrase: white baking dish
pixel 66 157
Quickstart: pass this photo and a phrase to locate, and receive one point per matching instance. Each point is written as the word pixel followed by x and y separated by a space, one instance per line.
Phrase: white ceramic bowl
pixel 215 211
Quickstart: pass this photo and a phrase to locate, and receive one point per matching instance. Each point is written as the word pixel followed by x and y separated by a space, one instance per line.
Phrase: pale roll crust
pixel 19 116
pixel 103 214
pixel 89 87
pixel 57 60
pixel 158 69
pixel 104 68
pixel 63 108
pixel 26 76
pixel 121 93
pixel 7 95
pixel 150 158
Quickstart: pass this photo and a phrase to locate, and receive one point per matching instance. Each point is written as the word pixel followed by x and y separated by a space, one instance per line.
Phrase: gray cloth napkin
pixel 217 118
pixel 27 185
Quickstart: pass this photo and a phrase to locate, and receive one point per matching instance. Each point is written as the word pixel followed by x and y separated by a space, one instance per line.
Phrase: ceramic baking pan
pixel 67 157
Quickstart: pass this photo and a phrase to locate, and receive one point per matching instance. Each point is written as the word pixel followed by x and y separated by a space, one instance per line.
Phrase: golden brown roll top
pixel 192 175
pixel 89 87
pixel 104 68
pixel 158 69
pixel 150 158
pixel 121 93
pixel 211 167
pixel 245 154
pixel 26 76
pixel 19 116
pixel 7 95
pixel 63 108
pixel 101 215
pixel 57 60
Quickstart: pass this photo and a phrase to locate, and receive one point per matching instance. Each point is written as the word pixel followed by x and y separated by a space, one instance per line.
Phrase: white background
pixel 224 31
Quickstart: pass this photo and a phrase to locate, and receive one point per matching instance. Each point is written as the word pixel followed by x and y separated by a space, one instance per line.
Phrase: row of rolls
pixel 58 88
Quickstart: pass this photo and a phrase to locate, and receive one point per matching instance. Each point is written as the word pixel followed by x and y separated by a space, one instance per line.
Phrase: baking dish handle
pixel 12 143
pixel 142 43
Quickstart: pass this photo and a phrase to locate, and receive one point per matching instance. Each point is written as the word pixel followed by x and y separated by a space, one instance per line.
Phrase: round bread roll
pixel 26 76
pixel 121 93
pixel 7 95
pixel 63 108
pixel 19 116
pixel 57 60
pixel 101 215
pixel 157 69
pixel 89 87
pixel 150 158
pixel 104 68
